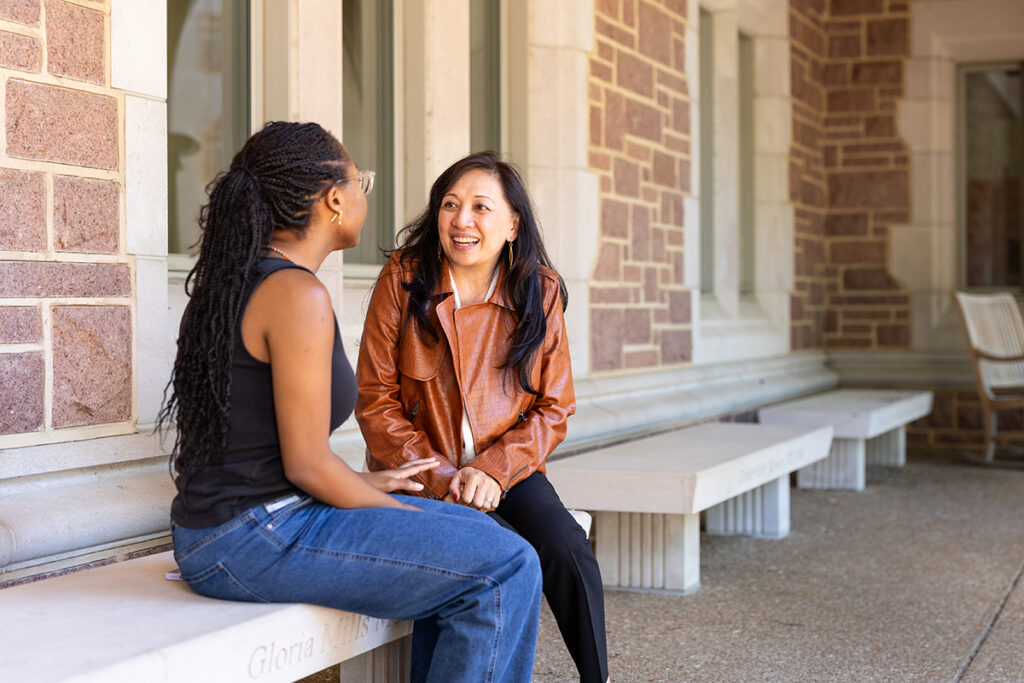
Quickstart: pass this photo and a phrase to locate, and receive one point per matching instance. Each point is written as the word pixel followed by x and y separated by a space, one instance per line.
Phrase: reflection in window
pixel 484 75
pixel 368 116
pixel 207 104
pixel 993 145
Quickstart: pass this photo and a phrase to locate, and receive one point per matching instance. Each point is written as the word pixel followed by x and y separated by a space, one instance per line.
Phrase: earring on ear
pixel 439 252
pixel 509 254
pixel 337 216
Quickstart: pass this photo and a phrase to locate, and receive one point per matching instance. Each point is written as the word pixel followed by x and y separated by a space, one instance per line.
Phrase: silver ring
pixel 489 501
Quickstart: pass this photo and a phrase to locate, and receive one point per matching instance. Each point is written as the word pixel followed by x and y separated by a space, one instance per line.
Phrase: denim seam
pixel 228 527
pixel 220 568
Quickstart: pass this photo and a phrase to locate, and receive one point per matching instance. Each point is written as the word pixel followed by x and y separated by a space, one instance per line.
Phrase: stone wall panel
pixel 22 211
pixel 85 215
pixel 47 279
pixel 20 325
pixel 92 381
pixel 22 384
pixel 20 11
pixel 19 52
pixel 75 41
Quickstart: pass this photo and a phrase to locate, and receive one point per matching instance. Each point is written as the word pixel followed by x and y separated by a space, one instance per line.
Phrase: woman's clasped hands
pixel 474 488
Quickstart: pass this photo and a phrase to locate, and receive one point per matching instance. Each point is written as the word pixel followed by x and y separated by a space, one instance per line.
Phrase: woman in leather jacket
pixel 464 358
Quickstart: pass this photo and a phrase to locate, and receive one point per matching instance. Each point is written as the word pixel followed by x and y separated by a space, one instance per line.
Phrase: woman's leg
pixel 572 580
pixel 479 581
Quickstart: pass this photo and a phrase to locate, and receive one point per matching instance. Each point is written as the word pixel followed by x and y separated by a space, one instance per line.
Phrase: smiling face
pixel 474 223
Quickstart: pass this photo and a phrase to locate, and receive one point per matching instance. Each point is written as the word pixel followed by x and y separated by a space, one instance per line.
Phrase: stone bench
pixel 870 427
pixel 647 495
pixel 124 622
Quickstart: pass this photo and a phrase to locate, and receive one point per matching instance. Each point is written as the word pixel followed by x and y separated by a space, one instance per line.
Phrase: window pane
pixel 484 75
pixel 746 152
pixel 993 152
pixel 707 154
pixel 368 116
pixel 207 105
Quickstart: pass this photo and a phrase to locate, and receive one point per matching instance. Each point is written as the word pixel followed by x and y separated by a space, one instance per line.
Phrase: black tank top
pixel 251 471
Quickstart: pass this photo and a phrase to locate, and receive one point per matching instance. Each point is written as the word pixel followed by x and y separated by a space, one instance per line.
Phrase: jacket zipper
pixel 522 418
pixel 415 409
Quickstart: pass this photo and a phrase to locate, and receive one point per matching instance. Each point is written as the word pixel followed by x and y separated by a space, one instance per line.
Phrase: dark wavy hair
pixel 272 184
pixel 419 243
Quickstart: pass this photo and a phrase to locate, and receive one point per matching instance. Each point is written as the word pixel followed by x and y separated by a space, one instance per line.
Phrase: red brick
pixel 887 37
pixel 868 252
pixel 600 71
pixel 57 124
pixel 679 55
pixel 641 359
pixel 92 365
pixel 39 279
pixel 20 11
pixel 664 168
pixel 872 73
pixel 672 81
pixel 874 189
pixel 20 325
pixel 845 224
pixel 676 7
pixel 605 51
pixel 606 327
pixel 595 126
pixel 880 126
pixel 627 178
pixel 614 219
pixel 851 100
pixel 638 326
pixel 643 120
pixel 868 279
pixel 640 244
pixel 655 33
pixel 614 121
pixel 18 52
pixel 867 314
pixel 21 392
pixel 609 295
pixel 844 46
pixel 85 215
pixel 676 346
pixel 609 8
pixel 74 41
pixel 836 74
pixel 679 307
pixel 866 161
pixel 629 13
pixel 681 116
pixel 846 7
pixel 609 259
pixel 22 211
pixel 617 35
pixel 635 74
pixel 894 335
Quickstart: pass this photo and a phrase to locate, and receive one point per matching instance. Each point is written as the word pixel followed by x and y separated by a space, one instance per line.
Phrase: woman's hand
pixel 390 481
pixel 476 489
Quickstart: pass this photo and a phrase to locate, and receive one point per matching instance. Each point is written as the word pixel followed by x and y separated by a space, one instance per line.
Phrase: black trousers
pixel 572 580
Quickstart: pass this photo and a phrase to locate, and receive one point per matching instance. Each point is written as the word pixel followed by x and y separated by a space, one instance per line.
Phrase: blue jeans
pixel 473 587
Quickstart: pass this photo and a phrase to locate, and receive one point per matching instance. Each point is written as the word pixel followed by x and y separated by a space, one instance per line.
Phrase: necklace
pixel 280 252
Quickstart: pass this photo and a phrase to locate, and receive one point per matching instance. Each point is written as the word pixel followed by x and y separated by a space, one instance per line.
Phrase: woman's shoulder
pixel 400 266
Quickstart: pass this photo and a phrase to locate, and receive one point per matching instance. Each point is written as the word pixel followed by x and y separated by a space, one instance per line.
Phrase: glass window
pixel 993 142
pixel 485 75
pixel 368 116
pixel 207 104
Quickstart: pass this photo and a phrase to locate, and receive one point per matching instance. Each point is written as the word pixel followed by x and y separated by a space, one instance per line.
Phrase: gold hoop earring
pixel 337 216
pixel 509 254
pixel 438 252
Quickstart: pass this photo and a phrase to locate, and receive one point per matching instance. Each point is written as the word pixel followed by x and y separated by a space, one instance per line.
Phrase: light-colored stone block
pixel 647 494
pixel 104 619
pixel 156 335
pixel 842 469
pixel 761 512
pixel 145 176
pixel 138 58
pixel 888 449
pixel 853 413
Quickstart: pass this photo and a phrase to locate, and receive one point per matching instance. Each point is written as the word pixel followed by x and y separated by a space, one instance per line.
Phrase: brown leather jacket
pixel 410 392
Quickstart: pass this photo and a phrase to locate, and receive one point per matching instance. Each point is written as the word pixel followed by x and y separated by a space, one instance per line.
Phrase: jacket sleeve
pixel 522 450
pixel 391 439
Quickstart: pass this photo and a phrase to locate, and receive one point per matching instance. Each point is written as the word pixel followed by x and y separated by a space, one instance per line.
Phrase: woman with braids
pixel 265 512
pixel 464 359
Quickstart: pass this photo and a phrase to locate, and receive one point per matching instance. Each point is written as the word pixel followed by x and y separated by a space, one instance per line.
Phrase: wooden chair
pixel 995 331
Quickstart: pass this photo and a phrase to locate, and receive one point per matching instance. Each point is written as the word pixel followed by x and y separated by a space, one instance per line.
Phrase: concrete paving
pixel 918 577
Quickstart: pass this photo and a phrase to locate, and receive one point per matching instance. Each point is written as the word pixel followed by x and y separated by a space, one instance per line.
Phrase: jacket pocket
pixel 418 361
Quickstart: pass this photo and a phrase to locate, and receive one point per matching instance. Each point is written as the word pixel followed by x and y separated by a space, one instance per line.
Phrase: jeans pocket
pixel 219 582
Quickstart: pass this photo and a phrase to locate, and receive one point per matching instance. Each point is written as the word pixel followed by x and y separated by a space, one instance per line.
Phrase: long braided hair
pixel 272 184
pixel 419 245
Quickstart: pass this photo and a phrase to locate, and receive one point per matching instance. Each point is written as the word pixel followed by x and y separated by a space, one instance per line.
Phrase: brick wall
pixel 807 183
pixel 848 63
pixel 640 148
pixel 66 312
